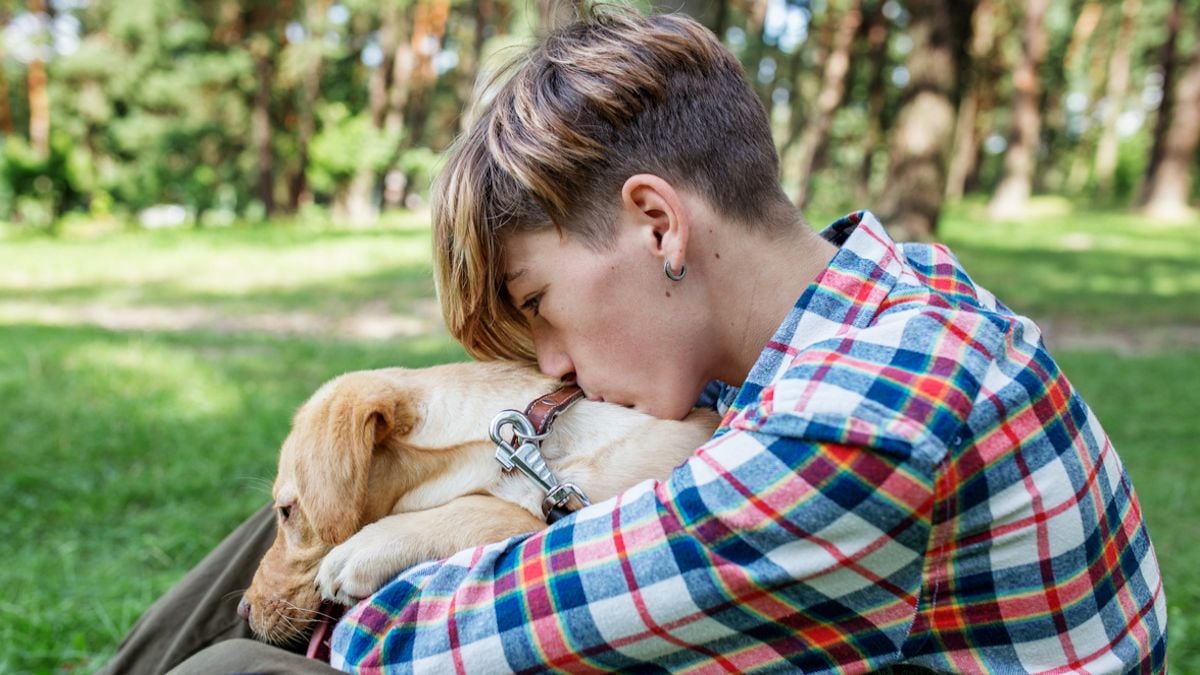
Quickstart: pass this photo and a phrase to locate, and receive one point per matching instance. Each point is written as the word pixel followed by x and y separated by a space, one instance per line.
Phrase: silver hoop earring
pixel 671 275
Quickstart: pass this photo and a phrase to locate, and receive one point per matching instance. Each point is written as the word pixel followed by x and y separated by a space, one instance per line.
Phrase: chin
pixel 666 410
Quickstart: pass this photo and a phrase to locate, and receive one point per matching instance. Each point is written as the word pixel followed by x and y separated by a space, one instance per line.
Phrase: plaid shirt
pixel 906 476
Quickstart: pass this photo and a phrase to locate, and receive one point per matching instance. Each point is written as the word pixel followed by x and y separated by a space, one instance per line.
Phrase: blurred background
pixel 209 208
pixel 209 113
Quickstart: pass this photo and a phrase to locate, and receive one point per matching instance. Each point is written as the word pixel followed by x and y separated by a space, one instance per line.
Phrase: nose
pixel 552 359
pixel 244 609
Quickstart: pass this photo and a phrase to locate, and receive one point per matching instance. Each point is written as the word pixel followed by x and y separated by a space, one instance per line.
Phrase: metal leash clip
pixel 527 458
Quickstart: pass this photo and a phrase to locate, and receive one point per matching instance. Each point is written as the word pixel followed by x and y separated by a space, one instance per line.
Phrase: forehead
pixel 530 250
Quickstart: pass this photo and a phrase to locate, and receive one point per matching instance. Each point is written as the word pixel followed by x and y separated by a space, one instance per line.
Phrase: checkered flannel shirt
pixel 906 476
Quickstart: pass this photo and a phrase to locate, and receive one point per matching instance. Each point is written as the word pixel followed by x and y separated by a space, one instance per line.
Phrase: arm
pixel 366 561
pixel 762 545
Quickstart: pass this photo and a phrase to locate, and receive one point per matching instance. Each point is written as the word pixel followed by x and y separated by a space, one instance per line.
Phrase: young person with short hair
pixel 903 477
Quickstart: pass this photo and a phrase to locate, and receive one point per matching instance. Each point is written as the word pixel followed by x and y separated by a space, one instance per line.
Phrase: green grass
pixel 1148 405
pixel 1104 270
pixel 241 272
pixel 125 454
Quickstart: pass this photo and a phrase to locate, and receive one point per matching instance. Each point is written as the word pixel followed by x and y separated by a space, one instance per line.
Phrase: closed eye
pixel 532 304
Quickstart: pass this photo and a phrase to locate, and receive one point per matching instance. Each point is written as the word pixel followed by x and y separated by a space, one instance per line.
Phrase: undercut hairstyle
pixel 611 96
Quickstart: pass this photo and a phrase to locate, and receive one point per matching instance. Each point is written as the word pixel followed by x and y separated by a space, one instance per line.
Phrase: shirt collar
pixel 844 296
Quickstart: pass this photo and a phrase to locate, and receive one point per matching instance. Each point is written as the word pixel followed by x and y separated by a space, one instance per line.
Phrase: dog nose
pixel 244 608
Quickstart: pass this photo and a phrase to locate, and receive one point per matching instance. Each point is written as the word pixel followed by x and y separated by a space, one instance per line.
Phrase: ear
pixel 653 204
pixel 339 440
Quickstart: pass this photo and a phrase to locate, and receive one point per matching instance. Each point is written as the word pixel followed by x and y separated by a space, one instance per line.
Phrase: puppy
pixel 387 468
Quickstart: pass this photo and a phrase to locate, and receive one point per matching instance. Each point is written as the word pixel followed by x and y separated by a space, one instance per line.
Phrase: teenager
pixel 903 477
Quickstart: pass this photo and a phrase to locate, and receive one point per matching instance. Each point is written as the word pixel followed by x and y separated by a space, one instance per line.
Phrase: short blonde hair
pixel 611 96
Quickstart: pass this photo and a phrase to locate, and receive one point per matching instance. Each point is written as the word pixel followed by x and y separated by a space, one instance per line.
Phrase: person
pixel 903 477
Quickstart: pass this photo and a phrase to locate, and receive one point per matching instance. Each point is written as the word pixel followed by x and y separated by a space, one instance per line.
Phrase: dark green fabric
pixel 249 656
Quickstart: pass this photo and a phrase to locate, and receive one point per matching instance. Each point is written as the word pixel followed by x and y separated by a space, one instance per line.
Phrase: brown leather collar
pixel 542 411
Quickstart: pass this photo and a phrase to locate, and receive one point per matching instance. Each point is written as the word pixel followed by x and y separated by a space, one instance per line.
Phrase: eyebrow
pixel 511 276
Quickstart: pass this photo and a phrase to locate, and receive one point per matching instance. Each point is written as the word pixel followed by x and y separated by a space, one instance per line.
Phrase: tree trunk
pixel 260 127
pixel 829 99
pixel 820 45
pixel 1059 146
pixel 1114 95
pixel 468 69
pixel 358 207
pixel 912 197
pixel 1012 195
pixel 428 35
pixel 1171 182
pixel 1162 121
pixel 756 50
pixel 1082 160
pixel 966 141
pixel 264 26
pixel 39 93
pixel 7 126
pixel 1085 26
pixel 876 31
pixel 310 91
pixel 413 80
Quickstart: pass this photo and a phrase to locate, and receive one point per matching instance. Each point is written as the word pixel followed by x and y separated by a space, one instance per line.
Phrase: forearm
pixel 743 555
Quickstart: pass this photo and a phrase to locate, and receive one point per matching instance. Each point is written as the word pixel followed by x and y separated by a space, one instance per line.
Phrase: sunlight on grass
pixel 1104 269
pixel 332 283
pixel 179 384
pixel 221 261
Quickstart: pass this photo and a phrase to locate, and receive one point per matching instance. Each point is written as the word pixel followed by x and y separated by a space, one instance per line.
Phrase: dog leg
pixel 373 556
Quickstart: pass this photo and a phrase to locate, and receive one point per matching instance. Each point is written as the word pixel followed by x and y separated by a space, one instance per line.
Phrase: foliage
pixel 345 143
pixel 246 107
pixel 39 188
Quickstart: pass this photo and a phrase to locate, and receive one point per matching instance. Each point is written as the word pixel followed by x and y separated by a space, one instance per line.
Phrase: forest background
pixel 229 111
pixel 209 208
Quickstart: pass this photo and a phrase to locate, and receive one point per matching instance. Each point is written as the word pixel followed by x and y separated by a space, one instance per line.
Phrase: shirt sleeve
pixel 765 545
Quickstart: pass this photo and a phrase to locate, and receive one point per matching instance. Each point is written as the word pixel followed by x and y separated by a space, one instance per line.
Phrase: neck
pixel 758 278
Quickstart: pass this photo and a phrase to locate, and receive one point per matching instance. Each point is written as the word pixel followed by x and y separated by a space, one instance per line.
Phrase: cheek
pixel 612 318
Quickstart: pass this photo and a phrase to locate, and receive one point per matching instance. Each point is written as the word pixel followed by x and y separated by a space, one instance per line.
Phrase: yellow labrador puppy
pixel 387 468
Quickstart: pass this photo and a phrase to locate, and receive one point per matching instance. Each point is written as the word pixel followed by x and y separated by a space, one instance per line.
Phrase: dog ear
pixel 346 430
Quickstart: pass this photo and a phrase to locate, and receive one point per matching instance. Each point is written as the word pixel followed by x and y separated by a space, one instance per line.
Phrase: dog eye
pixel 284 512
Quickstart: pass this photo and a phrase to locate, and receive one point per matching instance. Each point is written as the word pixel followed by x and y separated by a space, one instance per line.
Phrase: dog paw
pixel 362 564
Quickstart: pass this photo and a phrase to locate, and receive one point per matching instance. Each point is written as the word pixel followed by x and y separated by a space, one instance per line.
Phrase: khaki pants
pixel 194 627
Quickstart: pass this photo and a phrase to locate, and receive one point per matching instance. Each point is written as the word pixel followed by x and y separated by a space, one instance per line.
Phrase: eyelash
pixel 532 304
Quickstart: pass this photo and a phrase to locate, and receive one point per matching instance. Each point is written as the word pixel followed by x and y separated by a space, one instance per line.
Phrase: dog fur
pixel 387 468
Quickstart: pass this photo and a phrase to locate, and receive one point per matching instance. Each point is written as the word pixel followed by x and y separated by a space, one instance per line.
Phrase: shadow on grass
pixel 238 270
pixel 399 289
pixel 125 457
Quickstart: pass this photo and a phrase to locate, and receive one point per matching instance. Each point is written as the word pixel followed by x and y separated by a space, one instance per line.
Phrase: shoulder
pixel 906 383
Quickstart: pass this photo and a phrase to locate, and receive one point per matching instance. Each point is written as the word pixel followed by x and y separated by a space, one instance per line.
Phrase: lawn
pixel 147 378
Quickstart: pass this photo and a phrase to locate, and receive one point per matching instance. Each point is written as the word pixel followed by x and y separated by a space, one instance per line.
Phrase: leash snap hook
pixel 521 426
